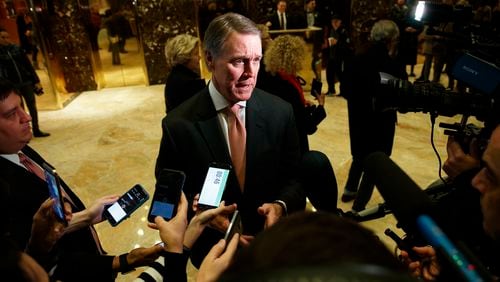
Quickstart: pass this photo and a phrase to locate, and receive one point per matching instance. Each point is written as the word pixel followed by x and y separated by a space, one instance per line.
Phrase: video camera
pixel 476 68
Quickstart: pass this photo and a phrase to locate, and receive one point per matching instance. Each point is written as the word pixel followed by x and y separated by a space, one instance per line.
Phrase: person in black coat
pixel 370 130
pixel 17 68
pixel 184 80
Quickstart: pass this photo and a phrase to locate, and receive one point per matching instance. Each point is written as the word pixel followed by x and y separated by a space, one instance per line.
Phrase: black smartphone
pixel 214 185
pixel 316 87
pixel 167 194
pixel 126 205
pixel 54 186
pixel 234 227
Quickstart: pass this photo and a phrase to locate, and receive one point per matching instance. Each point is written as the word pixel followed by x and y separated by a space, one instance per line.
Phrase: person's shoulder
pixel 192 107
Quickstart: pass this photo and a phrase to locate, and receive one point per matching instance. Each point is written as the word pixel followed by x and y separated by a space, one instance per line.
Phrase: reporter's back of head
pixel 318 245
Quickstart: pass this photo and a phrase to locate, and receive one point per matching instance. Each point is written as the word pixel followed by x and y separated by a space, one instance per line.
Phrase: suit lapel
pixel 210 130
pixel 9 168
pixel 255 123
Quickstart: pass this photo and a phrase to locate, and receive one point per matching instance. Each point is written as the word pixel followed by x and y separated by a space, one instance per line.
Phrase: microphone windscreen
pixel 401 194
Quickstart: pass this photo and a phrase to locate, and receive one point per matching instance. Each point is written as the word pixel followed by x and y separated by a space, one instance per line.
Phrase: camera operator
pixel 487 182
pixel 370 130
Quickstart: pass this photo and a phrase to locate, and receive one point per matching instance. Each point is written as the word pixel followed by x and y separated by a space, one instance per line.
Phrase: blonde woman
pixel 183 59
pixel 283 60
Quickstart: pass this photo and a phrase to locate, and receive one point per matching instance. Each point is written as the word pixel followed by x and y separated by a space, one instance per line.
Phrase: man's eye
pixel 10 115
pixel 238 61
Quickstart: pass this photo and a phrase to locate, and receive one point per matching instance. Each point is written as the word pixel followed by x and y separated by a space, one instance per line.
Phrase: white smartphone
pixel 214 185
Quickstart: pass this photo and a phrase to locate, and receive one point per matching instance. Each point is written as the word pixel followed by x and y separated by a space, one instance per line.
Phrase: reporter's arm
pixel 90 215
pixel 203 219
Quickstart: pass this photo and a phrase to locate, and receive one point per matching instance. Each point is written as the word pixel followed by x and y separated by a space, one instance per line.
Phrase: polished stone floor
pixel 103 142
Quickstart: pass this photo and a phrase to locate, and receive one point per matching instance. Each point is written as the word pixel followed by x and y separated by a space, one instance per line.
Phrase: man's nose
pixel 251 68
pixel 25 117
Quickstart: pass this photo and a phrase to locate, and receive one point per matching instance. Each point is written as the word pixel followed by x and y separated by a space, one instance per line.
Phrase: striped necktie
pixel 31 166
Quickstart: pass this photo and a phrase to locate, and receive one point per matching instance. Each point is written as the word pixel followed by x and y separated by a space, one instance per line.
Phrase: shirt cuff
pixel 283 205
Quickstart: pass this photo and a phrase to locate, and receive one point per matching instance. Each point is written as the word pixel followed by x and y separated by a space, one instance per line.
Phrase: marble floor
pixel 103 142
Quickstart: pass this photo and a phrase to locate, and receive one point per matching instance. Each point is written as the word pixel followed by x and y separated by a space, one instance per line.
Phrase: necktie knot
pixel 234 110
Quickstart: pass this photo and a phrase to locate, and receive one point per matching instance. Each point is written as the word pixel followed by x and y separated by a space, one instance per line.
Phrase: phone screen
pixel 167 194
pixel 213 187
pixel 234 227
pixel 126 204
pixel 54 191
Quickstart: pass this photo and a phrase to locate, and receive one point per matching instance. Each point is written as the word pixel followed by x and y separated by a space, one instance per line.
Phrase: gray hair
pixel 222 26
pixel 178 49
pixel 384 30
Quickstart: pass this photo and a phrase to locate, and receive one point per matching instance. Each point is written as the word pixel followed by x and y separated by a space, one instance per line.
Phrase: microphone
pixel 401 194
pixel 413 210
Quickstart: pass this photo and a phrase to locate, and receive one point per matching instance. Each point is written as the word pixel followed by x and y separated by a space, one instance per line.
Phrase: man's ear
pixel 209 59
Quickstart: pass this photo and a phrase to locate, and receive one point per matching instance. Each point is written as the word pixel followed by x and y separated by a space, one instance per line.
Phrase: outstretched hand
pixel 217 260
pixel 427 267
pixel 458 161
pixel 172 231
pixel 46 228
pixel 272 212
pixel 211 217
pixel 221 219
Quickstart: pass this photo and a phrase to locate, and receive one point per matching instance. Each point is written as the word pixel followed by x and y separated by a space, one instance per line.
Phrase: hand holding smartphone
pixel 402 245
pixel 54 186
pixel 126 205
pixel 214 185
pixel 167 194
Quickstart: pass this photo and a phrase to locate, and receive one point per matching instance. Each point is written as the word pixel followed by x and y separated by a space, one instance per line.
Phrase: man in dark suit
pixel 77 256
pixel 196 134
pixel 280 18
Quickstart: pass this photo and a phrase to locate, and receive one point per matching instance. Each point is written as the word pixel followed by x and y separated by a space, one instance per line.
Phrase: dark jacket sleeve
pixel 85 267
pixel 175 267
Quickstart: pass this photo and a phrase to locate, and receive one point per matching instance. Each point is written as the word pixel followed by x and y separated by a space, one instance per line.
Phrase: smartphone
pixel 126 205
pixel 54 186
pixel 167 194
pixel 214 185
pixel 234 227
pixel 316 87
